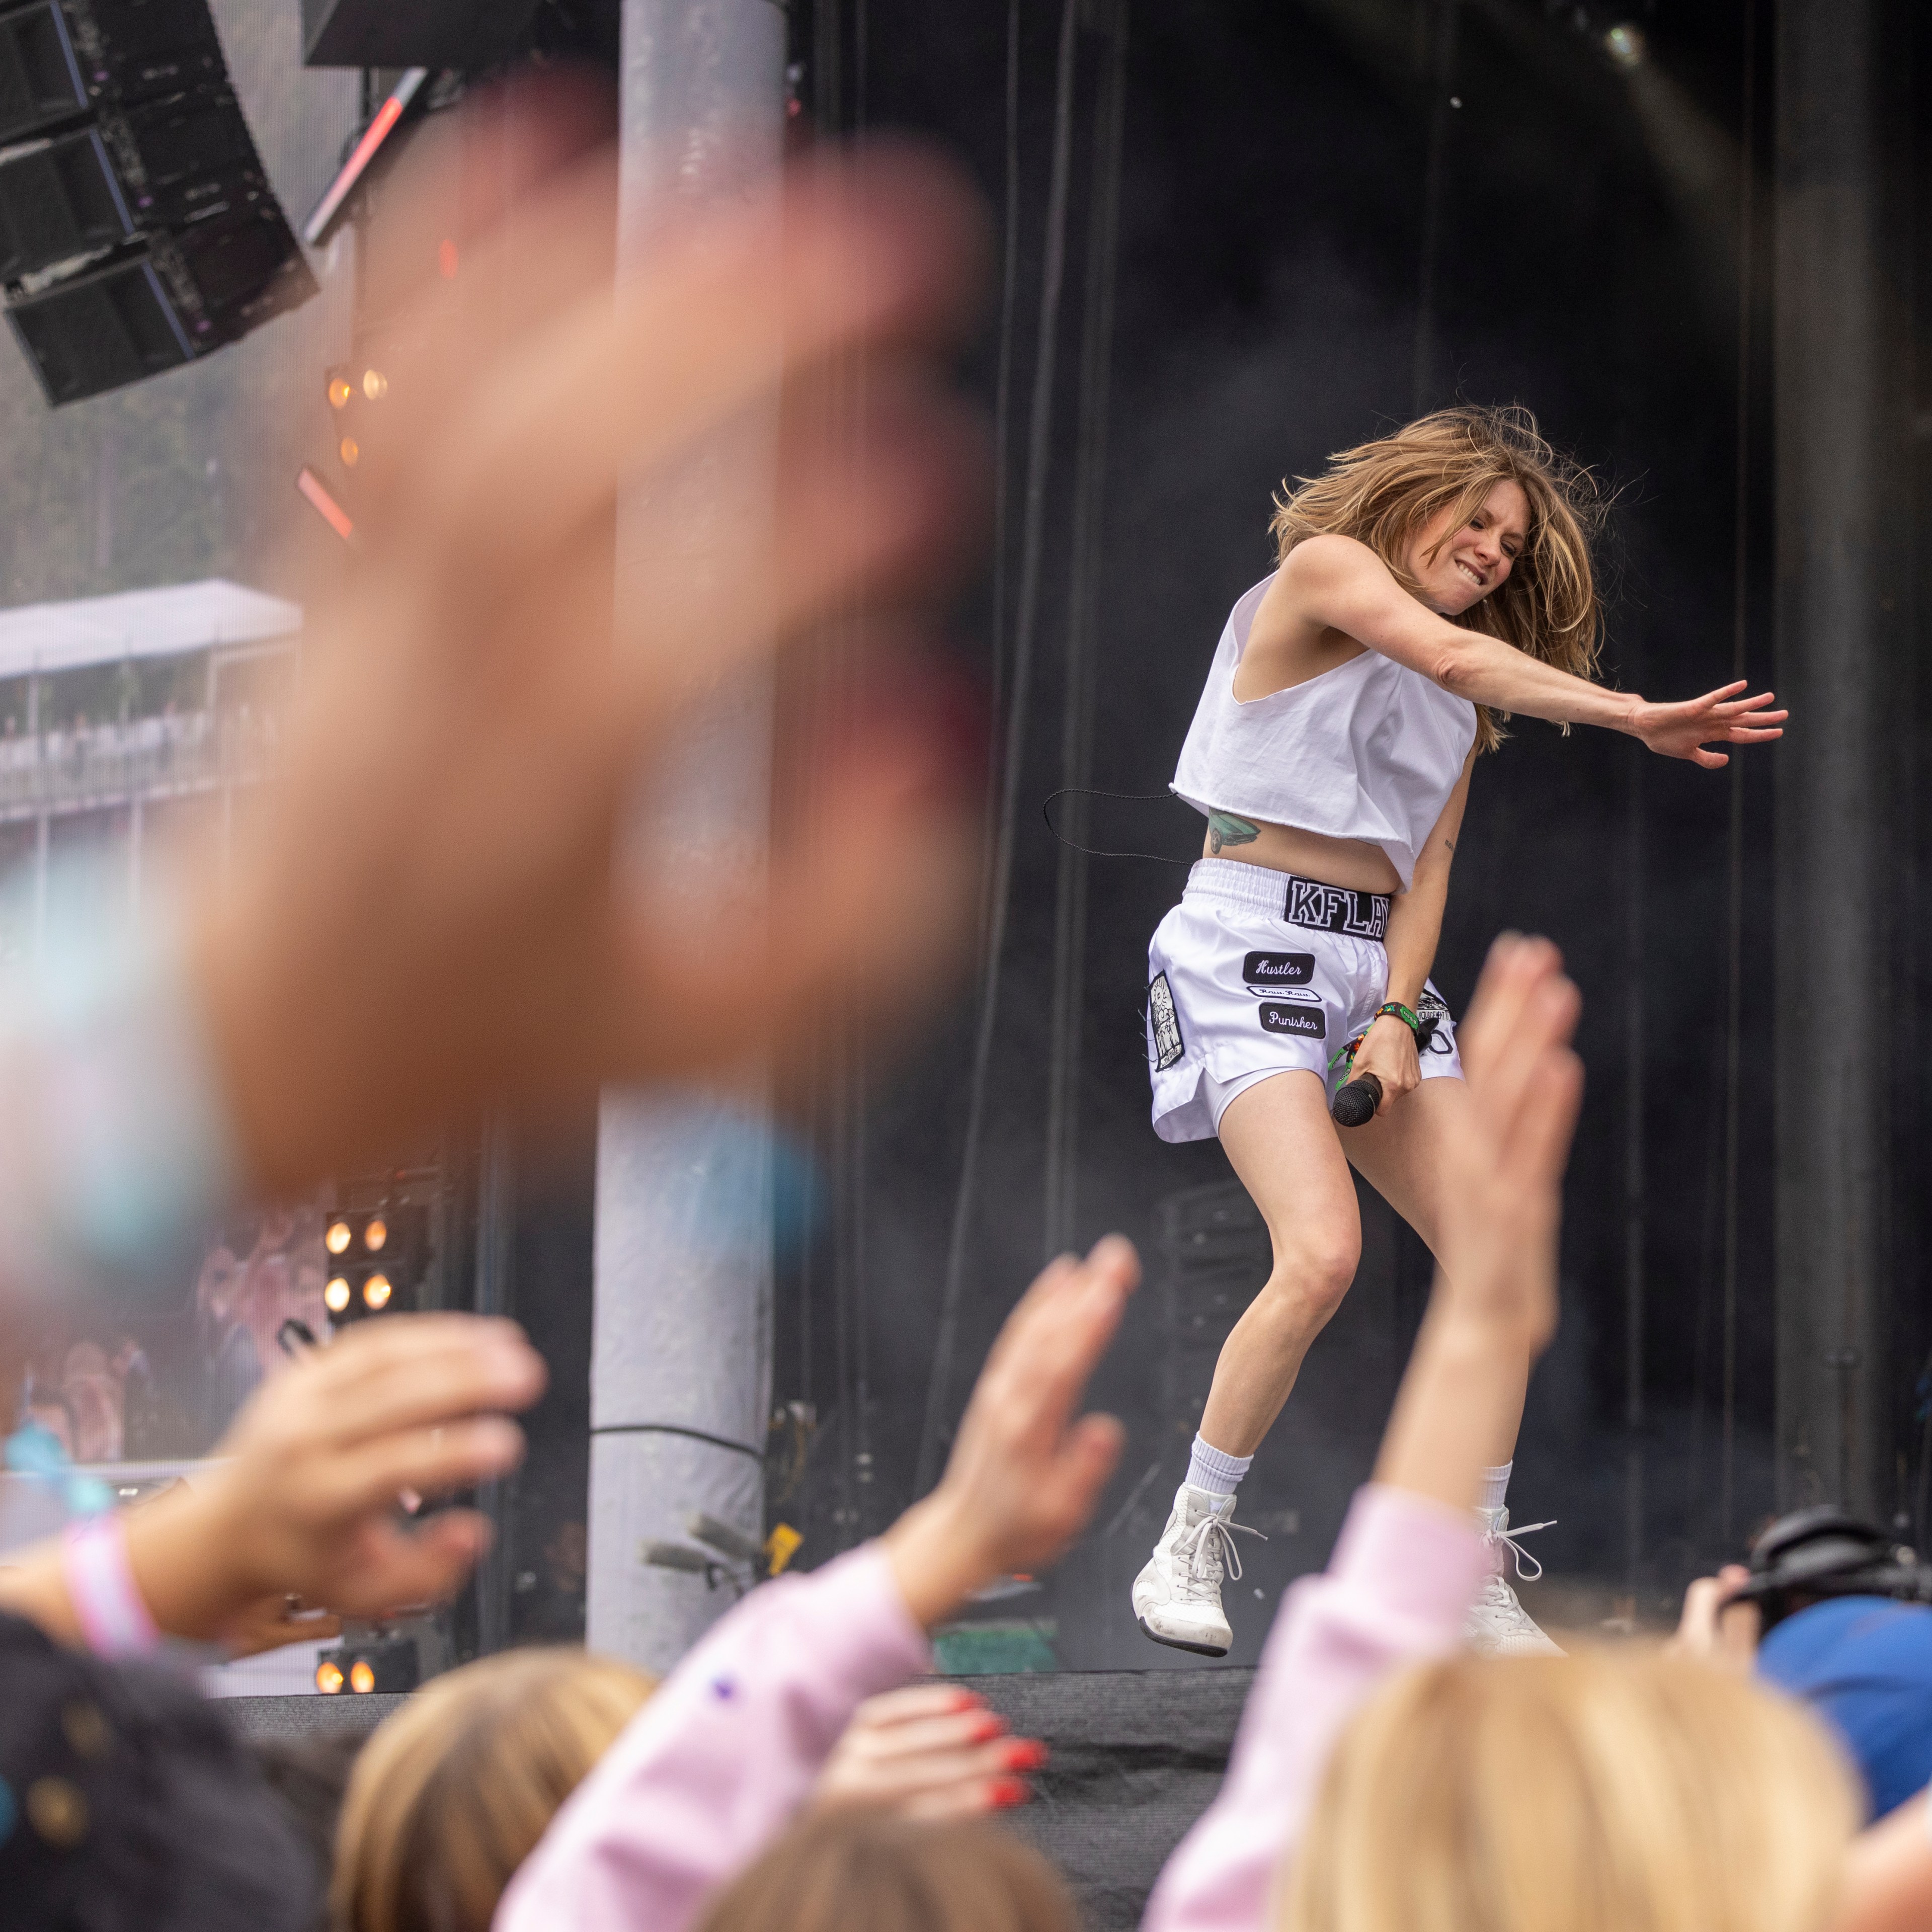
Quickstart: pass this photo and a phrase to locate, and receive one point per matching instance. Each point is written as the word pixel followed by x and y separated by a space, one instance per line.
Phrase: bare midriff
pixel 1335 862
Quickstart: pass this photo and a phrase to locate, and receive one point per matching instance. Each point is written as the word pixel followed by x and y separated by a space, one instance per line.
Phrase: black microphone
pixel 1355 1104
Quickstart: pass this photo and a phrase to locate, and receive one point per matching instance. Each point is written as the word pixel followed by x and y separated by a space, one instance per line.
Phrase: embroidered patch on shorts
pixel 1437 1035
pixel 1262 972
pixel 1310 1021
pixel 1165 1024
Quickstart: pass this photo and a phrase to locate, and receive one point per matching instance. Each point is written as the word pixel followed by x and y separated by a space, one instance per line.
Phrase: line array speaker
pixel 138 227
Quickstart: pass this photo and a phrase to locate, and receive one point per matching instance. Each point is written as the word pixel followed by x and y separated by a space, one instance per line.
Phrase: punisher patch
pixel 1309 1022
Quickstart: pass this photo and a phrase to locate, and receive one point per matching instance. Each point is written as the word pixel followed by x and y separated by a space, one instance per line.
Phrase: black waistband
pixel 1336 908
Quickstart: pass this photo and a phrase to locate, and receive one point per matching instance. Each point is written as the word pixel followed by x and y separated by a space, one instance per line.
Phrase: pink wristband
pixel 101 1583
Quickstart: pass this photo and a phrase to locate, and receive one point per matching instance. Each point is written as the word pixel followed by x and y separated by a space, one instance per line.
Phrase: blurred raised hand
pixel 1026 1470
pixel 437 907
pixel 303 1498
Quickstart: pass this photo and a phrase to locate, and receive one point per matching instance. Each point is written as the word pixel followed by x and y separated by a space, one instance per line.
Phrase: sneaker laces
pixel 1210 1552
pixel 1506 1536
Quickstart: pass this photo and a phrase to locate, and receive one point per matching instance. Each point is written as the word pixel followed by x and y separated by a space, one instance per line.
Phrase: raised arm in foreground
pixel 1409 1558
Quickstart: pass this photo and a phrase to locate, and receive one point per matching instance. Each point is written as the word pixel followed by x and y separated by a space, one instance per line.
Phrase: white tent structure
pixel 170 622
pixel 85 788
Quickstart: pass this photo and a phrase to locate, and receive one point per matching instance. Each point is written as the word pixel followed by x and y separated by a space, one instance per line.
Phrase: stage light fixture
pixel 384 1257
pixel 339 392
pixel 328 211
pixel 375 385
pixel 377 1663
pixel 350 451
pixel 338 1237
pixel 1625 44
pixel 315 494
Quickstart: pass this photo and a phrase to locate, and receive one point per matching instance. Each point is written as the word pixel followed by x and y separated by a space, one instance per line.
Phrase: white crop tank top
pixel 1370 750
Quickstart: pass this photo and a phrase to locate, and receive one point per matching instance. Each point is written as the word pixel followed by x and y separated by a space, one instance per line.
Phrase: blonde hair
pixel 871 1871
pixel 450 1794
pixel 1602 1792
pixel 1383 492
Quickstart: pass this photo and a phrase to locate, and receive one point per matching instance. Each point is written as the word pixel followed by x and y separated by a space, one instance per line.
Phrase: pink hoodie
pixel 1404 1571
pixel 721 1757
pixel 718 1760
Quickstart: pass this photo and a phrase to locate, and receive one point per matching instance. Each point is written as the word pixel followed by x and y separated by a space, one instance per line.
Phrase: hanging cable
pixel 1099 851
pixel 1076 746
pixel 1002 465
pixel 1442 103
pixel 1735 850
pixel 1039 449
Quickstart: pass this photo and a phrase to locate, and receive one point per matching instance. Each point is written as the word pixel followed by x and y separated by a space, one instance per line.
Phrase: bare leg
pixel 1400 1156
pixel 1283 1146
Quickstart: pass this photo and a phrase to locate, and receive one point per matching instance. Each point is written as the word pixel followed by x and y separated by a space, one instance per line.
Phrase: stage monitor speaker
pixel 99 329
pixel 462 33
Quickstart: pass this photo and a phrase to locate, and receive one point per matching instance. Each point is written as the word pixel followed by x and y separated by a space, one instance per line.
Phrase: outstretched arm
pixel 732 1743
pixel 1341 584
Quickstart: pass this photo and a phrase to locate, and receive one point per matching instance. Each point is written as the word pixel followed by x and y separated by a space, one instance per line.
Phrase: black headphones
pixel 1821 1552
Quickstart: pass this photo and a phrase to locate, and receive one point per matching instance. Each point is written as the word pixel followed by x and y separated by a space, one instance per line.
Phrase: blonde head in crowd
pixel 451 1794
pixel 868 1871
pixel 1604 1792
pixel 1442 467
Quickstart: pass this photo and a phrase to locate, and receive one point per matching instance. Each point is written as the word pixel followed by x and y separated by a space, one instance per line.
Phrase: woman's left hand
pixel 1719 717
pixel 1388 1051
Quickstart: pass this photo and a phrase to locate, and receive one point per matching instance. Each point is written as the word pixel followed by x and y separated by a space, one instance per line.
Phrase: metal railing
pixel 104 764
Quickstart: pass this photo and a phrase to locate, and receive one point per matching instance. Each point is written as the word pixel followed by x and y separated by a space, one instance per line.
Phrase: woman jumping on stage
pixel 1427 582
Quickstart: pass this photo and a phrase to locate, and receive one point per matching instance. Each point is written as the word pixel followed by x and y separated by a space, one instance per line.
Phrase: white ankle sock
pixel 1495 1485
pixel 1209 1469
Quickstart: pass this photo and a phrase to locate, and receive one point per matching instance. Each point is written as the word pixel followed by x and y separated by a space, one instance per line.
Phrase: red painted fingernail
pixel 1008 1791
pixel 992 1725
pixel 1026 1754
pixel 967 1700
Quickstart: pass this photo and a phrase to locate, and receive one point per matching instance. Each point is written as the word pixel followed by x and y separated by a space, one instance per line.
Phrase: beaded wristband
pixel 107 1602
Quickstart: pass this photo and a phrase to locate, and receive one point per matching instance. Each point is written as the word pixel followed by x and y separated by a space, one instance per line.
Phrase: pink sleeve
pixel 1404 1571
pixel 720 1758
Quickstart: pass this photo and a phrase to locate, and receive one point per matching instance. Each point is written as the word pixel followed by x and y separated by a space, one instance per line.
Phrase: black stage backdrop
pixel 1331 215
pixel 1284 225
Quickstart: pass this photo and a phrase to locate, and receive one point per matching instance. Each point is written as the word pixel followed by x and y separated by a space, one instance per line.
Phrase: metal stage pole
pixel 681 1355
pixel 1839 612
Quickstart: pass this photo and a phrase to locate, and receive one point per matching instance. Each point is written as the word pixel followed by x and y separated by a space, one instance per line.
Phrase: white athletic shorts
pixel 1258 972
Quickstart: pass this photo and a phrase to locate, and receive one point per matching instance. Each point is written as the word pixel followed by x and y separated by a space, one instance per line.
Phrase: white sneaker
pixel 1177 1596
pixel 1497 1624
